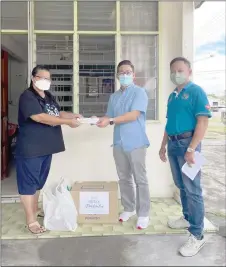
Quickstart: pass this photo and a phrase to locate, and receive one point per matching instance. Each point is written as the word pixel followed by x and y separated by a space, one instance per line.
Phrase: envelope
pixel 192 170
pixel 88 120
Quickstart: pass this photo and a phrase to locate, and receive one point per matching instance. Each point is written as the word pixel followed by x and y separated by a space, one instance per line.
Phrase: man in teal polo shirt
pixel 188 111
pixel 127 113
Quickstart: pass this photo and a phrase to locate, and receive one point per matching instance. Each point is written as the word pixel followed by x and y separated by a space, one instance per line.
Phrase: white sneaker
pixel 192 246
pixel 142 223
pixel 180 223
pixel 126 215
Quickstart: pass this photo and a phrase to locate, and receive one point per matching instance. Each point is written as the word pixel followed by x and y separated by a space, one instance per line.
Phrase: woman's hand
pixel 74 123
pixel 70 115
pixel 77 116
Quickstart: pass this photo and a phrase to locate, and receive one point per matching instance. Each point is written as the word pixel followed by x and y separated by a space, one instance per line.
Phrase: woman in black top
pixel 39 137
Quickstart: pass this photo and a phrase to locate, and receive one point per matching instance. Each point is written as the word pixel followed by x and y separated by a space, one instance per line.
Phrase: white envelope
pixel 192 170
pixel 88 120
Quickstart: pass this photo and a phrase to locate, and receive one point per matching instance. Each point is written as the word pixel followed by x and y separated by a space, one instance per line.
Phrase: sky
pixel 209 62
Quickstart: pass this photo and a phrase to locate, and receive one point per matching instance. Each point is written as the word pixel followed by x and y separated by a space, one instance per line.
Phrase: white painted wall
pixel 89 155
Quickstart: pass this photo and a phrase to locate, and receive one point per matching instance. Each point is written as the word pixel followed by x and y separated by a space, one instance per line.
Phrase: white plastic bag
pixel 59 209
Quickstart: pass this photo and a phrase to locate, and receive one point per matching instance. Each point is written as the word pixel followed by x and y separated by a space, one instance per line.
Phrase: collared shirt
pixel 37 139
pixel 183 109
pixel 129 135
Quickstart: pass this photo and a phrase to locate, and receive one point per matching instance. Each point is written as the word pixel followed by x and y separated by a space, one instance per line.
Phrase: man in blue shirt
pixel 127 112
pixel 188 111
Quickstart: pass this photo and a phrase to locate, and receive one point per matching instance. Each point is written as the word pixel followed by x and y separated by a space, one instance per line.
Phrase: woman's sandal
pixel 41 214
pixel 36 228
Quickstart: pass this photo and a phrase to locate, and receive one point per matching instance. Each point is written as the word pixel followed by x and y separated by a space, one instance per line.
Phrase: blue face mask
pixel 126 80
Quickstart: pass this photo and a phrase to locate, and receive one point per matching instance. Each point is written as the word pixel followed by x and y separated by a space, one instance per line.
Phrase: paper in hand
pixel 192 170
pixel 88 120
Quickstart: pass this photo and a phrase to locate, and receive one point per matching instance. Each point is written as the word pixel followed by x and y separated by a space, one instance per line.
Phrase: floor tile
pixel 13 223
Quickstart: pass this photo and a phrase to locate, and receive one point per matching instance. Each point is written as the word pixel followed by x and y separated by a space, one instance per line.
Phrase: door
pixel 4 115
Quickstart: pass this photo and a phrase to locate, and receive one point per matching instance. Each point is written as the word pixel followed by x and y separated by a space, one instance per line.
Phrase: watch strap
pixel 189 149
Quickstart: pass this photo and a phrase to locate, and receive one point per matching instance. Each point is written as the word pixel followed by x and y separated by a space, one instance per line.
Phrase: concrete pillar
pixel 188 30
pixel 187 18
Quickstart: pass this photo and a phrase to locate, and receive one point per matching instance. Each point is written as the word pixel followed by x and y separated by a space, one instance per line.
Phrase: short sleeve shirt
pixel 184 108
pixel 130 135
pixel 37 139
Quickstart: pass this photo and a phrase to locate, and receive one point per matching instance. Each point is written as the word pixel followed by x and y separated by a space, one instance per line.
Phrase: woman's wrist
pixel 66 121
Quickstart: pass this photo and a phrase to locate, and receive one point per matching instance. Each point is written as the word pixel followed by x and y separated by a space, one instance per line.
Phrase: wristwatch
pixel 111 121
pixel 189 149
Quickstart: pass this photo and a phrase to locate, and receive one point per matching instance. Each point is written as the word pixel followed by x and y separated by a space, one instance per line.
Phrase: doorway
pixel 14 81
pixel 4 115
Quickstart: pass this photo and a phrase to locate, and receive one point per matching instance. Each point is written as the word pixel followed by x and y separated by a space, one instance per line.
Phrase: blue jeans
pixel 190 191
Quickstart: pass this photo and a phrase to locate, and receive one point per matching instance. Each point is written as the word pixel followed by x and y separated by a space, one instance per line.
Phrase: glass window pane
pixel 56 52
pixel 55 15
pixel 96 16
pixel 14 15
pixel 96 73
pixel 142 51
pixel 139 16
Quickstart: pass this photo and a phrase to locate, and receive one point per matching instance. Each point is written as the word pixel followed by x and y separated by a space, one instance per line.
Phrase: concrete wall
pixel 89 155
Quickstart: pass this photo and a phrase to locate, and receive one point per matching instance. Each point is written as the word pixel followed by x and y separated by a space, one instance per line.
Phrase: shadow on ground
pixel 111 251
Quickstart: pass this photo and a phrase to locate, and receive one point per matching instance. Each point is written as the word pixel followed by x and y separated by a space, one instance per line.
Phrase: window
pixel 142 51
pixel 56 52
pixel 96 73
pixel 139 16
pixel 14 15
pixel 55 15
pixel 96 16
pixel 83 54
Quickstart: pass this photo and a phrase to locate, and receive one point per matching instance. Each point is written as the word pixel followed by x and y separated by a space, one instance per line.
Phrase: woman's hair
pixel 36 70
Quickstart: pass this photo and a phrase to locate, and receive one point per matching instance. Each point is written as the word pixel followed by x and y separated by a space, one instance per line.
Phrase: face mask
pixel 126 80
pixel 178 78
pixel 42 84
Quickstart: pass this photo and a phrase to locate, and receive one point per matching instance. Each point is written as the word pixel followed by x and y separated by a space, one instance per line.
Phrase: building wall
pixel 88 154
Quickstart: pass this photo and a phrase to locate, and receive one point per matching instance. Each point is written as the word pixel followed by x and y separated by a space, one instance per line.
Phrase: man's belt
pixel 180 136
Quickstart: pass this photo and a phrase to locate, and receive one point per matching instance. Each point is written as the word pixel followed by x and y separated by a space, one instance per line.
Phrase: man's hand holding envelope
pixel 92 120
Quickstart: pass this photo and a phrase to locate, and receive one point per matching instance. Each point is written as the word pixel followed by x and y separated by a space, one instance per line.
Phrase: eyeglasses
pixel 47 79
pixel 125 73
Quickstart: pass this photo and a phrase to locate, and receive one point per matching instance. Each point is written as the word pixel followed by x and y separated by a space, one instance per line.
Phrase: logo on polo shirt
pixel 207 107
pixel 185 96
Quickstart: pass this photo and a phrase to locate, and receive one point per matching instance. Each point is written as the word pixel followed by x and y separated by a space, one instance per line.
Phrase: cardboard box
pixel 96 202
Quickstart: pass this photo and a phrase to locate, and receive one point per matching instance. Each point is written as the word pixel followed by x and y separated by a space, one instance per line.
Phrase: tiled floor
pixel 13 224
pixel 9 185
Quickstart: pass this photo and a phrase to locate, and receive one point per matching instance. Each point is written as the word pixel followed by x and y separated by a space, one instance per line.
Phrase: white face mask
pixel 43 84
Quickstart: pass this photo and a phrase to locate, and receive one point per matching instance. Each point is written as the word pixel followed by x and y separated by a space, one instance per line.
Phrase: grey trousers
pixel 131 168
